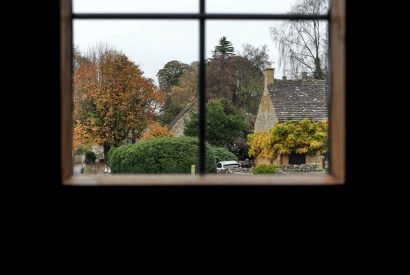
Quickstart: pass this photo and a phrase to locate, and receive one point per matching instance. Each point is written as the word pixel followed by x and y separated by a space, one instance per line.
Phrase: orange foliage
pixel 156 130
pixel 113 102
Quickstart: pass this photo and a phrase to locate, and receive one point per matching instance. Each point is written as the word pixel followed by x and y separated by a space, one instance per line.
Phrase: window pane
pixel 135 82
pixel 144 6
pixel 267 6
pixel 267 93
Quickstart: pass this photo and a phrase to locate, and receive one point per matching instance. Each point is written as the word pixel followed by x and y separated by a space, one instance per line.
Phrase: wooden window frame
pixel 337 126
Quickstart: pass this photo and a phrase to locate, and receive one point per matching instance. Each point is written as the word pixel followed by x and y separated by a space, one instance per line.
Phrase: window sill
pixel 175 180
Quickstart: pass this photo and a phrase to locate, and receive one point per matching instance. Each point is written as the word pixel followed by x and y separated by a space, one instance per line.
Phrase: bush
pixel 81 149
pixel 90 156
pixel 110 153
pixel 265 169
pixel 169 155
pixel 222 153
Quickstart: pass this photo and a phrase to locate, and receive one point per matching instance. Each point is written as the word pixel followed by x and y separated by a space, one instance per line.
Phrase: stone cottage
pixel 177 125
pixel 292 100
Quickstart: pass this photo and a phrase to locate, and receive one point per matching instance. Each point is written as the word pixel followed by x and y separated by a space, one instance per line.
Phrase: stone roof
pixel 299 99
pixel 181 114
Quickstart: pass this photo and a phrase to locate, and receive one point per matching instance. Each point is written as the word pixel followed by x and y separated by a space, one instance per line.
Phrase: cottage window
pixel 297 159
pixel 336 20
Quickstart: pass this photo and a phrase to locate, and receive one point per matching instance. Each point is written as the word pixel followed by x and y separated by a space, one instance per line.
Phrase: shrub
pixel 168 155
pixel 290 137
pixel 265 169
pixel 81 149
pixel 222 153
pixel 110 153
pixel 90 156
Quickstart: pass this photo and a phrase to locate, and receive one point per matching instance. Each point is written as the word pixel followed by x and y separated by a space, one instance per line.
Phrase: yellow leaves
pixel 302 150
pixel 259 144
pixel 303 137
pixel 315 144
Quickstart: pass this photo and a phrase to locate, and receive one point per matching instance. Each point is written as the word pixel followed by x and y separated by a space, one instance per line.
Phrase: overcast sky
pixel 152 43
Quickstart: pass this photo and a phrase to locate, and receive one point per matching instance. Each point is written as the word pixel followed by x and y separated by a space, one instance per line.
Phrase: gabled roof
pixel 299 99
pixel 181 113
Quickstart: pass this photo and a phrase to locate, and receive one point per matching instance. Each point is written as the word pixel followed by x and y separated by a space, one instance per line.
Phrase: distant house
pixel 177 125
pixel 292 100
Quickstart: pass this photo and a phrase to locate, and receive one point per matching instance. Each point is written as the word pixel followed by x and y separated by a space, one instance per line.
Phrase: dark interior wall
pixel 44 44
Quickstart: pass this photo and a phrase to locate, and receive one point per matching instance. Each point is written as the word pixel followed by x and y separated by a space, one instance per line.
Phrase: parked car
pixel 227 165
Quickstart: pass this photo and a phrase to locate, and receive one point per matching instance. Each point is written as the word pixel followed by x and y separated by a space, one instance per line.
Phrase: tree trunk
pixel 106 147
pixel 318 74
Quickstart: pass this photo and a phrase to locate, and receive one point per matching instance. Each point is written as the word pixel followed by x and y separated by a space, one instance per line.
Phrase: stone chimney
pixel 266 117
pixel 269 74
pixel 304 75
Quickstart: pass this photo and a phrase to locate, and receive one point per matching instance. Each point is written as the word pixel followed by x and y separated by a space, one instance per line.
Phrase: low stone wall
pixel 317 159
pixel 301 167
pixel 235 170
pixel 283 160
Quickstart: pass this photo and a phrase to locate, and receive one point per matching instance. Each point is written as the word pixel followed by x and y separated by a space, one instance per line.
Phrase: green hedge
pixel 221 153
pixel 90 157
pixel 169 155
pixel 110 153
pixel 265 169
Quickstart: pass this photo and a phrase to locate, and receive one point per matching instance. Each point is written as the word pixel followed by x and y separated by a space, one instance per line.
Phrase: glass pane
pixel 267 94
pixel 267 6
pixel 135 82
pixel 143 6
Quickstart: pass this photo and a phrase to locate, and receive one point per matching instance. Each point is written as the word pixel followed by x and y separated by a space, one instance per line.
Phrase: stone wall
pixel 318 159
pixel 78 159
pixel 283 160
pixel 268 161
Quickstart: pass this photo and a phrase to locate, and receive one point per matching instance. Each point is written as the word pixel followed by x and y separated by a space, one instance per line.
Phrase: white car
pixel 227 165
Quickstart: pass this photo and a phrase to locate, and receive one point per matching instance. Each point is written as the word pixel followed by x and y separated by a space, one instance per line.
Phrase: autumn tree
pixel 303 44
pixel 237 78
pixel 185 92
pixel 155 130
pixel 169 75
pixel 113 102
pixel 78 59
pixel 249 66
pixel 220 79
pixel 248 86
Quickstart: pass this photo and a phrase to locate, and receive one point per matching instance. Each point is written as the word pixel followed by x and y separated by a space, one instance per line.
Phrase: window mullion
pixel 202 96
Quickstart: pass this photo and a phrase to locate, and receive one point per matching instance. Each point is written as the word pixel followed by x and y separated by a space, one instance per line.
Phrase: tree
pixel 113 102
pixel 224 49
pixel 78 59
pixel 185 92
pixel 237 78
pixel 302 137
pixel 223 124
pixel 156 130
pixel 220 79
pixel 248 84
pixel 258 56
pixel 169 75
pixel 303 44
pixel 220 72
